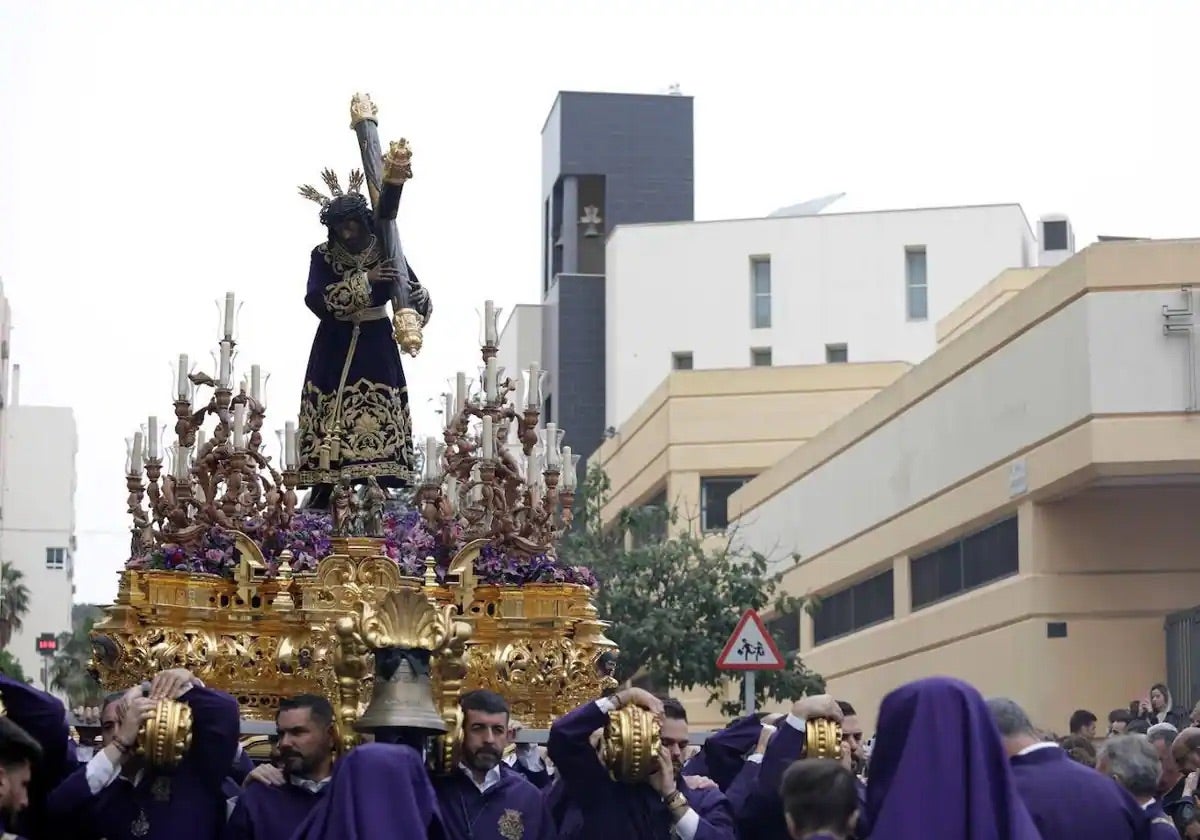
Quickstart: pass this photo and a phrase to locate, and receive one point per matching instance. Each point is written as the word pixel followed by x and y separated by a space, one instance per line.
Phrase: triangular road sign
pixel 750 648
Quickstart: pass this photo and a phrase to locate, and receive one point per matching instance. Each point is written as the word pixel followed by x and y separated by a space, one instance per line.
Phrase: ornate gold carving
pixel 397 162
pixel 630 746
pixel 406 329
pixel 368 411
pixel 823 739
pixel 510 825
pixel 166 737
pixel 362 108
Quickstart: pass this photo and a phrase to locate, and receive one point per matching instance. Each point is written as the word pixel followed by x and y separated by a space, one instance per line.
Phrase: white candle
pixel 181 462
pixel 239 425
pixel 182 391
pixel 489 322
pixel 228 316
pixel 289 435
pixel 568 481
pixel 448 409
pixel 552 450
pixel 531 397
pixel 489 379
pixel 152 437
pixel 460 392
pixel 256 382
pixel 135 458
pixel 199 440
pixel 226 365
pixel 431 457
pixel 489 439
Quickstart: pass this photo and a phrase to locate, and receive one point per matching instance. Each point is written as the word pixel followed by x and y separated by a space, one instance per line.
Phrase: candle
pixel 152 437
pixel 569 463
pixel 489 323
pixel 489 379
pixel 476 486
pixel 228 316
pixel 199 440
pixel 239 425
pixel 489 439
pixel 182 391
pixel 181 462
pixel 226 365
pixel 135 456
pixel 431 458
pixel 448 408
pixel 460 392
pixel 533 395
pixel 289 435
pixel 256 382
pixel 553 442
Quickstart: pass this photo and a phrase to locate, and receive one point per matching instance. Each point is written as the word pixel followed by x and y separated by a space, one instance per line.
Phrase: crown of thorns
pixel 335 188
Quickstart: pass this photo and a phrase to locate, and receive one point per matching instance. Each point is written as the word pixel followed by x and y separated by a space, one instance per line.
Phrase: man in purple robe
pixel 354 416
pixel 376 791
pixel 938 769
pixel 655 810
pixel 1133 762
pixel 276 800
pixel 723 754
pixel 43 717
pixel 19 753
pixel 117 797
pixel 1066 799
pixel 483 798
pixel 526 759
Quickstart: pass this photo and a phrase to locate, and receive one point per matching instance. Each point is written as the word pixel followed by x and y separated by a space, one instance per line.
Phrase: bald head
pixel 1186 750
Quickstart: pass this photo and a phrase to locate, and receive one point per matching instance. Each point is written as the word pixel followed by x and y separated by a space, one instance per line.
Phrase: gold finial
pixel 397 162
pixel 406 329
pixel 430 572
pixel 283 598
pixel 362 108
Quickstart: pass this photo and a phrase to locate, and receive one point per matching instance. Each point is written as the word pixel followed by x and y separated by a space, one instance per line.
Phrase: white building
pixel 794 289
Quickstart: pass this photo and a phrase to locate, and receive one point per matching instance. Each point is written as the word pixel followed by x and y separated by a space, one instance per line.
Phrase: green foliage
pixel 11 667
pixel 14 601
pixel 673 602
pixel 69 670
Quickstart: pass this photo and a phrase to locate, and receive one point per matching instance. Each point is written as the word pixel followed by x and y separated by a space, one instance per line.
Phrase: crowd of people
pixel 944 764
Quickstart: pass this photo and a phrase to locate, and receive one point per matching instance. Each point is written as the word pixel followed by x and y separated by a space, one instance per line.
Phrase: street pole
pixel 748 693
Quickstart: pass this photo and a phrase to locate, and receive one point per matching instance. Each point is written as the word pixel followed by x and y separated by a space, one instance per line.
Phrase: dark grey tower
pixel 630 157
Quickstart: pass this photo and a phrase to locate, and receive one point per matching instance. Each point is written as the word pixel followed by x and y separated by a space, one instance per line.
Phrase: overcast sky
pixel 149 157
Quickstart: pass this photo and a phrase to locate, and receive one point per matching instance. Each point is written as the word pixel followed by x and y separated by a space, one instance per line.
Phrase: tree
pixel 673 602
pixel 69 670
pixel 10 667
pixel 14 602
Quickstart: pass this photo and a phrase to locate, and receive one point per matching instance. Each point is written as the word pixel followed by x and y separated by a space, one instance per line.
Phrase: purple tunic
pixel 188 804
pixel 512 805
pixel 376 787
pixel 270 812
pixel 723 753
pixel 1069 800
pixel 610 809
pixel 1161 826
pixel 376 430
pixel 43 716
pixel 939 770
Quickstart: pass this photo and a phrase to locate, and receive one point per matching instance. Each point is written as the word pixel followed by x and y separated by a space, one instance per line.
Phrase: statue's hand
pixel 418 297
pixel 383 273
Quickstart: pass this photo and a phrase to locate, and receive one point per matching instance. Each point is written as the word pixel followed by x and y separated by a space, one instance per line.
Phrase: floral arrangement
pixel 407 540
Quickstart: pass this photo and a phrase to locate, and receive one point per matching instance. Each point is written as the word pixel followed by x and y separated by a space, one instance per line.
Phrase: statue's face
pixel 351 234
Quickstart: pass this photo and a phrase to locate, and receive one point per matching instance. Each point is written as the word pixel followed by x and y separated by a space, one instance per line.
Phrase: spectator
pixel 1170 786
pixel 1083 723
pixel 1118 720
pixel 1134 763
pixel 1079 749
pixel 1137 726
pixel 1162 708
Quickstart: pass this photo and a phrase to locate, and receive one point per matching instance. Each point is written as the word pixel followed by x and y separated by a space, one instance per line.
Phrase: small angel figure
pixel 343 505
pixel 371 517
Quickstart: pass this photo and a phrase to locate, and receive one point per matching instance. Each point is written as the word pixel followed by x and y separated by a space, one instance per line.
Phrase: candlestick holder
pixel 140 530
pixel 185 427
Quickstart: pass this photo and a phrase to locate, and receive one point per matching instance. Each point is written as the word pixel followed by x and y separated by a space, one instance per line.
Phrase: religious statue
pixel 354 416
pixel 371 509
pixel 344 507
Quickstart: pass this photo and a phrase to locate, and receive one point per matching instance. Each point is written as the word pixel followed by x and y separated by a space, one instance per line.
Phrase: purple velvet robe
pixel 505 808
pixel 377 791
pixel 1161 826
pixel 939 769
pixel 194 806
pixel 242 765
pixel 723 753
pixel 270 812
pixel 1069 800
pixel 43 716
pixel 376 430
pixel 610 809
pixel 540 779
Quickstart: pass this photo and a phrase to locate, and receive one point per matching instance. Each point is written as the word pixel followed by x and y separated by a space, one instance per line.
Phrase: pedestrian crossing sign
pixel 751 647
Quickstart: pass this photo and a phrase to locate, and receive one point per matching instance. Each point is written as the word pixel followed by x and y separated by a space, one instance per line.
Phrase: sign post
pixel 47 646
pixel 750 649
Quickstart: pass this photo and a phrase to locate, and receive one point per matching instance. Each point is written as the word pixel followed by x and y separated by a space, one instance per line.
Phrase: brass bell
pixel 402 697
pixel 631 744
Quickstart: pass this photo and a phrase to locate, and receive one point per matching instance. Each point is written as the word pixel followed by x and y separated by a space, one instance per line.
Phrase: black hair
pixel 1119 716
pixel 482 700
pixel 819 794
pixel 1137 726
pixel 347 208
pixel 846 708
pixel 673 709
pixel 1080 719
pixel 17 746
pixel 320 708
pixel 109 699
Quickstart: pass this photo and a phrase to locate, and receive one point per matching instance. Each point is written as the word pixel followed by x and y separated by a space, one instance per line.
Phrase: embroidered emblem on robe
pixel 510 825
pixel 141 826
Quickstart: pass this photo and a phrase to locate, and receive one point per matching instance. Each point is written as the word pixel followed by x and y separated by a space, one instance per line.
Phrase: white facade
pixel 37 528
pixel 1100 355
pixel 520 342
pixel 836 281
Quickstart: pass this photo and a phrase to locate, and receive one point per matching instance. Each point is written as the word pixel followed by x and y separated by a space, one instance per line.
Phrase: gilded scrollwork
pixel 375 422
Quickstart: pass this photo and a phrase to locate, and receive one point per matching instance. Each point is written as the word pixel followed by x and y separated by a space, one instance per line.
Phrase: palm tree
pixel 69 670
pixel 14 601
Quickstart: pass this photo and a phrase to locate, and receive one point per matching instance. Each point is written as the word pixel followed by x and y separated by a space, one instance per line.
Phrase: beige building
pixel 1019 510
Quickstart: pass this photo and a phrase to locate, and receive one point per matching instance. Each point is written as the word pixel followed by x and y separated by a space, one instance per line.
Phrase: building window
pixel 760 357
pixel 760 288
pixel 836 353
pixel 714 500
pixel 1054 235
pixel 916 283
pixel 855 607
pixel 973 561
pixel 650 521
pixel 785 630
pixel 56 558
pixel 681 361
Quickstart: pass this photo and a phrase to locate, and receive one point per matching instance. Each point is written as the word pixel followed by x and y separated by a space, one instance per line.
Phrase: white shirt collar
pixel 1040 745
pixel 490 779
pixel 309 785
